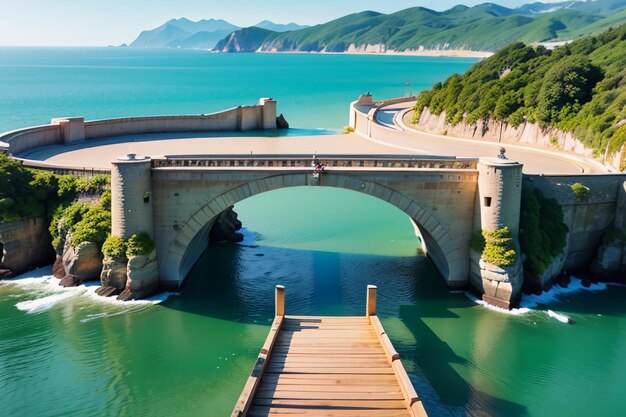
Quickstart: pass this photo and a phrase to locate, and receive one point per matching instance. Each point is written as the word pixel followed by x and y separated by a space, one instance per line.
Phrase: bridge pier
pixel 498 205
pixel 132 213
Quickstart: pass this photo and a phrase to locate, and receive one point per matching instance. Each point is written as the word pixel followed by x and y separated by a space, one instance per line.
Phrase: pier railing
pixel 305 162
pixel 342 356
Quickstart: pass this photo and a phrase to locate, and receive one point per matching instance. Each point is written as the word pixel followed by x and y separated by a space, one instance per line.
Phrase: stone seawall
pixel 24 245
pixel 587 219
pixel 526 133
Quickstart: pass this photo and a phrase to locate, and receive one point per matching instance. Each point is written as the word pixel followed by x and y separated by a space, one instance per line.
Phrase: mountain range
pixel 203 34
pixel 485 27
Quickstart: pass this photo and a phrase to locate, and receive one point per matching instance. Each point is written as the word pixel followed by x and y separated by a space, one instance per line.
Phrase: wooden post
pixel 280 300
pixel 370 309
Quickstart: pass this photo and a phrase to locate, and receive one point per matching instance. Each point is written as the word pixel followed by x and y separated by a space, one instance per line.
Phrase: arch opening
pixel 193 236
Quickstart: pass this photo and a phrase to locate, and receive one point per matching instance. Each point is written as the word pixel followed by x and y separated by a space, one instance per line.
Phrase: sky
pixel 112 22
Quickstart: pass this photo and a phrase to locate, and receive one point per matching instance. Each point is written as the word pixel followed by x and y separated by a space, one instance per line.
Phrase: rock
pixel 143 277
pixel 281 122
pixel 225 227
pixel 586 283
pixel 107 291
pixel 114 273
pixel 58 270
pixel 25 245
pixel 84 262
pixel 69 281
pixel 6 273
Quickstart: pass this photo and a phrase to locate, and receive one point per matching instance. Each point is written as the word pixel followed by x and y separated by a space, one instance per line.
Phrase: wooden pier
pixel 328 367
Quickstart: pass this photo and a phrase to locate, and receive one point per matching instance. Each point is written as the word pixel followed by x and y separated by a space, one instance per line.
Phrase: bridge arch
pixel 192 237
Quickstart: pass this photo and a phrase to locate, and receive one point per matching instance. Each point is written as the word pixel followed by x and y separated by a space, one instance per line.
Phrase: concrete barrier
pixel 75 129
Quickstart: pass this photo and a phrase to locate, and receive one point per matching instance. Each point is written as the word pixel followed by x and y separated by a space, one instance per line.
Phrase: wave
pixel 532 303
pixel 41 284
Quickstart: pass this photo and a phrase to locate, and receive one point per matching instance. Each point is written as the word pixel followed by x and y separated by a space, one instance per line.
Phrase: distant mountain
pixel 277 27
pixel 184 33
pixel 203 34
pixel 485 27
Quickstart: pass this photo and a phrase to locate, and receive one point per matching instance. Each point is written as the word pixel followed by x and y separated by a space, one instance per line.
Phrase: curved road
pixel 393 137
pixel 401 135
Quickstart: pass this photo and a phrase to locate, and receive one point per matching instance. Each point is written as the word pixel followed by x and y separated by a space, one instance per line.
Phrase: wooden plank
pixel 330 395
pixel 245 399
pixel 410 395
pixel 292 412
pixel 417 410
pixel 360 404
pixel 330 378
pixel 330 360
pixel 385 342
pixel 313 350
pixel 332 370
pixel 329 388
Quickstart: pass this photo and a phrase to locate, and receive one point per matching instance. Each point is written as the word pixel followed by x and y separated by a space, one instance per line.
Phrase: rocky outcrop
pixel 281 122
pixel 81 263
pixel 24 245
pixel 498 131
pixel 499 286
pixel 225 227
pixel 143 277
pixel 114 274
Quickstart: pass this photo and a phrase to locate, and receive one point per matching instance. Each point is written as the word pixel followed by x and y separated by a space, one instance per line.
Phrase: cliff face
pixel 528 133
pixel 244 40
pixel 24 245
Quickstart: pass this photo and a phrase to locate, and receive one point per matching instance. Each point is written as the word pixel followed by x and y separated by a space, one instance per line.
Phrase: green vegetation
pixel 26 193
pixel 486 27
pixel 347 130
pixel 581 192
pixel 579 88
pixel 542 231
pixel 496 247
pixel 141 244
pixel 85 222
pixel 117 248
pixel 114 247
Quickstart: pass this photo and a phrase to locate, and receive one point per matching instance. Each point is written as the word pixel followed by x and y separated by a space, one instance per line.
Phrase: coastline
pixel 440 53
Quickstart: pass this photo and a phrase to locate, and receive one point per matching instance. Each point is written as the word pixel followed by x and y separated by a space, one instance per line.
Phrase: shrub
pixel 348 130
pixel 114 247
pixel 499 248
pixel 94 226
pixel 581 191
pixel 478 241
pixel 85 222
pixel 141 244
pixel 542 231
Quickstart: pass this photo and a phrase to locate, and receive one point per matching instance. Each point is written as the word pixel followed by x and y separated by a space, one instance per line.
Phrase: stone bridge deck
pixel 328 366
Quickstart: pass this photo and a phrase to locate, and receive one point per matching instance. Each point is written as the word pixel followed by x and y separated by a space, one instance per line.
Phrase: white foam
pixel 560 317
pixel 46 303
pixel 554 294
pixel 40 282
pixel 512 312
pixel 531 302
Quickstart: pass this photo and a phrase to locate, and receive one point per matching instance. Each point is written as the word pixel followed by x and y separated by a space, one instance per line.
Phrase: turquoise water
pixel 71 353
pixel 313 91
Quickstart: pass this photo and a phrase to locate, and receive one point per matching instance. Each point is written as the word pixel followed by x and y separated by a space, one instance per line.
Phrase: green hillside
pixel 580 87
pixel 486 27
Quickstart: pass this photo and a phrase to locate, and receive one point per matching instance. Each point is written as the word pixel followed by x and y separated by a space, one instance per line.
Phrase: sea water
pixel 67 352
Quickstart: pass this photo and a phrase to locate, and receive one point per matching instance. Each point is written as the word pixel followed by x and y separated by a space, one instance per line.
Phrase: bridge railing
pixel 306 163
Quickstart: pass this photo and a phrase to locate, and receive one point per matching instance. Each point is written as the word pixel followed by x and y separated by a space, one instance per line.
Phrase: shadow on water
pixel 236 282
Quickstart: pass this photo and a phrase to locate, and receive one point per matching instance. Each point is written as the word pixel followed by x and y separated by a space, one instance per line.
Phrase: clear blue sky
pixel 103 22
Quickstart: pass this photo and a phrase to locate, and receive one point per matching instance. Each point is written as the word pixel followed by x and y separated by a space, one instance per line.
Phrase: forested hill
pixel 579 87
pixel 485 27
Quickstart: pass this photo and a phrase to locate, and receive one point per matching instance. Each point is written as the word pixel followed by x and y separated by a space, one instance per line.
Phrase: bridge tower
pixel 132 213
pixel 498 205
pixel 131 196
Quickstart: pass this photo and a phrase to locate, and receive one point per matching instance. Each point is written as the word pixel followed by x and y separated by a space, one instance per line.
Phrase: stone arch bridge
pixel 178 199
